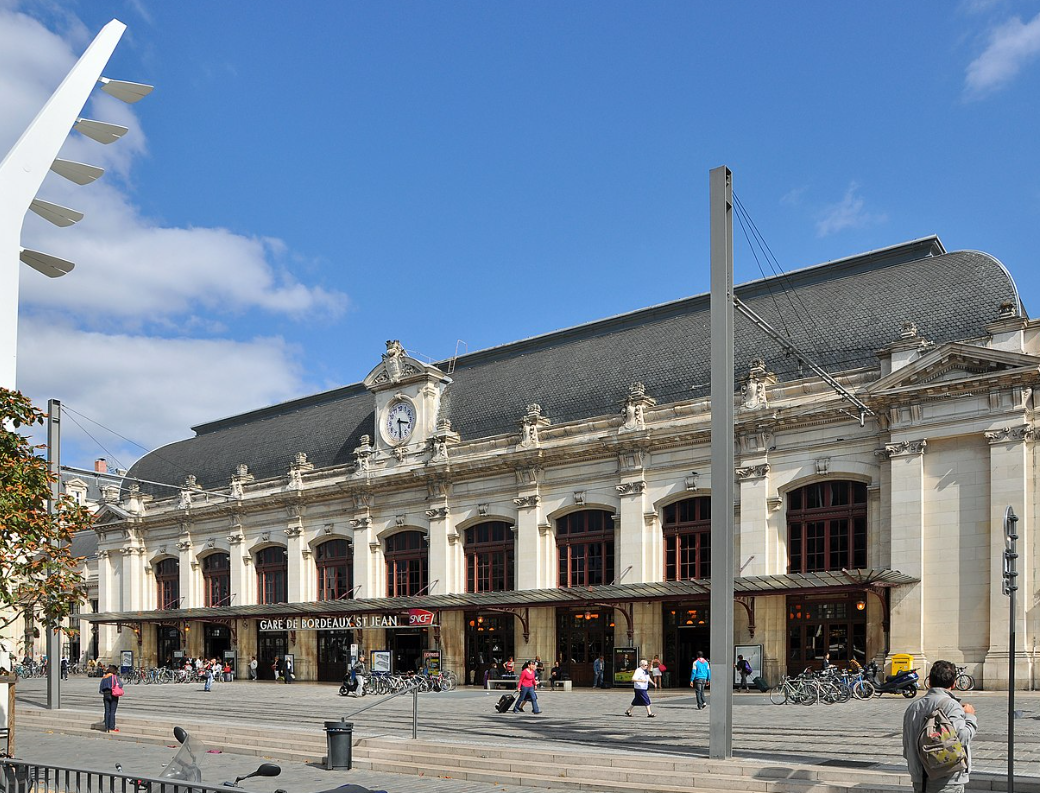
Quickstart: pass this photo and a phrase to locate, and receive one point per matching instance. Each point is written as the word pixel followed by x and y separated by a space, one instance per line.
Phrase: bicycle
pixel 964 681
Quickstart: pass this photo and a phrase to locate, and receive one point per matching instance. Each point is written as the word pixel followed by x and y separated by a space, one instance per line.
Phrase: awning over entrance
pixel 616 594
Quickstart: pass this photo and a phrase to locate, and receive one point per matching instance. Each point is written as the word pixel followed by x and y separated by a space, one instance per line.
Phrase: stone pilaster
pixel 238 569
pixel 758 543
pixel 906 519
pixel 531 533
pixel 1010 474
pixel 636 546
pixel 294 546
pixel 185 558
pixel 443 542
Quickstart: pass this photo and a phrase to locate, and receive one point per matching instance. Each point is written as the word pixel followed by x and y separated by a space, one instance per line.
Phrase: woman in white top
pixel 640 683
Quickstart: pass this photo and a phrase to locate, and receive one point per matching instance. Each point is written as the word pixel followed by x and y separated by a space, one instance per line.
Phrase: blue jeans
pixel 597 680
pixel 209 683
pixel 698 686
pixel 527 693
pixel 111 703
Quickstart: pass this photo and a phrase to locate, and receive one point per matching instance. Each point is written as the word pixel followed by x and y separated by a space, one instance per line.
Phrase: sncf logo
pixel 420 618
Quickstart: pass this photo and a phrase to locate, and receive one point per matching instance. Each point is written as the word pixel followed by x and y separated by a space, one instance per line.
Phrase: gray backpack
pixel 940 750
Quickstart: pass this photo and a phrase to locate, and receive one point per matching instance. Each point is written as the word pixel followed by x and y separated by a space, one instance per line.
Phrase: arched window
pixel 489 557
pixel 585 541
pixel 271 575
pixel 827 527
pixel 687 539
pixel 168 583
pixel 406 564
pixel 216 579
pixel 335 562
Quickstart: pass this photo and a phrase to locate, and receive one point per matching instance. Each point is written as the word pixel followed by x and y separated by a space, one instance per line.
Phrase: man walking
pixel 252 668
pixel 526 686
pixel 597 672
pixel 743 668
pixel 941 679
pixel 699 678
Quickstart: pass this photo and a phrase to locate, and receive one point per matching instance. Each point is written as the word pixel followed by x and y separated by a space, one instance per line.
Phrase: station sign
pixel 352 622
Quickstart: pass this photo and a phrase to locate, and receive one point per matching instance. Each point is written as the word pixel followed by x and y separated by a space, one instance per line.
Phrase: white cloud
pixel 849 213
pixel 85 338
pixel 1011 46
pixel 150 390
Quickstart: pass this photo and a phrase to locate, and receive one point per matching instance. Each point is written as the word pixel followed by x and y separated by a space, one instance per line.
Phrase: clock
pixel 400 421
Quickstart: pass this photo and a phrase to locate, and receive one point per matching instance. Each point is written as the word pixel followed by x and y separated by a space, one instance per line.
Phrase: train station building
pixel 551 497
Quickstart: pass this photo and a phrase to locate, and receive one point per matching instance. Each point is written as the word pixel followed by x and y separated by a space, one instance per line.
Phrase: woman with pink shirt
pixel 526 686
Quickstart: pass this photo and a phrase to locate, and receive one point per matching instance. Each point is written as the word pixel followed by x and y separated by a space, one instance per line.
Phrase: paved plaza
pixel 857 734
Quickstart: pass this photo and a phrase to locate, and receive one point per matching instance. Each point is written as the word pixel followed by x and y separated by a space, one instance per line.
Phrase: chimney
pixel 100 466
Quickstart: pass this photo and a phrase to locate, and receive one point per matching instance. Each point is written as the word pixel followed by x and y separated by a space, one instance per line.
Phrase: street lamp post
pixel 25 166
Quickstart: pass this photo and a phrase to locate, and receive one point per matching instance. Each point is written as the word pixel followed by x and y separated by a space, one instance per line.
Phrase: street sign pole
pixel 1010 587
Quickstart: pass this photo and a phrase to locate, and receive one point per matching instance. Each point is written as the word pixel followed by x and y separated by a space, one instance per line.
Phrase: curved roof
pixel 840 313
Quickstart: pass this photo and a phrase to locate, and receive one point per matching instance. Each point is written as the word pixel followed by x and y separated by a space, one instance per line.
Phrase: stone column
pixel 758 543
pixel 186 572
pixel 532 536
pixel 442 543
pixel 636 547
pixel 237 555
pixel 369 570
pixel 294 554
pixel 1010 479
pixel 906 460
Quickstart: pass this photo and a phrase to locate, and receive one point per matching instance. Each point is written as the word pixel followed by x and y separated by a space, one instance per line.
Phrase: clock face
pixel 400 421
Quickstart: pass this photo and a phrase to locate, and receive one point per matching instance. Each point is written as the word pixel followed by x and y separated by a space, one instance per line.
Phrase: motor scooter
pixel 904 683
pixel 353 683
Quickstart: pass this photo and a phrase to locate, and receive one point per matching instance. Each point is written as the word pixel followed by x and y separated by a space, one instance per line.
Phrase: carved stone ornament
pixel 579 498
pixel 235 539
pixel 482 510
pixel 633 409
pixel 438 486
pixel 544 529
pixel 908 330
pixel 530 426
pixel 360 523
pixel 265 536
pixel 753 391
pixel 293 531
pixel 528 474
pixel 161 550
pixel 691 480
pixel 363 455
pixel 1011 434
pixel 297 468
pixel 437 513
pixel 400 453
pixel 294 511
pixel 247 559
pixel 752 471
pixel 453 537
pixel 362 499
pixel 102 554
pixel 1007 310
pixel 392 359
pixel 328 528
pixel 526 501
pixel 240 479
pixel 109 494
pixel 399 520
pixel 631 458
pixel 823 465
pixel 211 542
pixel 373 546
pixel 773 503
pixel 631 488
pixel 906 448
pixel 184 545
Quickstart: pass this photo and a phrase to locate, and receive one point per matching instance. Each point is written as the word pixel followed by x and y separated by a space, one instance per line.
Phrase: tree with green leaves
pixel 39 575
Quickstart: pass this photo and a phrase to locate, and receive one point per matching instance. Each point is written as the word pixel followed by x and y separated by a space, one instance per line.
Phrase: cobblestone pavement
pixel 866 733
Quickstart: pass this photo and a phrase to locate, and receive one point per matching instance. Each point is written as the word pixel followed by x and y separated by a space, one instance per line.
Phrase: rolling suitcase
pixel 760 684
pixel 505 702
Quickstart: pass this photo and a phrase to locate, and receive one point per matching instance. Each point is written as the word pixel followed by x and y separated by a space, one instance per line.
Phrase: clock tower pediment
pixel 408 395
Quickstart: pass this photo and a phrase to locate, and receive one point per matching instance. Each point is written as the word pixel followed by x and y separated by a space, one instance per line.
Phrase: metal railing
pixel 19 776
pixel 409 688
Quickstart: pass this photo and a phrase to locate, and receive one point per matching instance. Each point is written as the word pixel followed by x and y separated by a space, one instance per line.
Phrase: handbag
pixel 117 690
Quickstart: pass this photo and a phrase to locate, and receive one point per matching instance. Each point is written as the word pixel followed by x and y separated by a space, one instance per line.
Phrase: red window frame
pixel 827 527
pixel 585 544
pixel 407 564
pixel 490 557
pixel 687 539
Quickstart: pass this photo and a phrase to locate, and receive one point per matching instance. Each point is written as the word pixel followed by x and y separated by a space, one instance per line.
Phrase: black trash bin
pixel 339 736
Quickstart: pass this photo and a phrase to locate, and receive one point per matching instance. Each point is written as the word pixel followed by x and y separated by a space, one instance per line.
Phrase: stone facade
pixel 947 446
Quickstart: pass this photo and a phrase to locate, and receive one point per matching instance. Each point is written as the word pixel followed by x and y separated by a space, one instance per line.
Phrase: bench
pixel 561 685
pixel 493 684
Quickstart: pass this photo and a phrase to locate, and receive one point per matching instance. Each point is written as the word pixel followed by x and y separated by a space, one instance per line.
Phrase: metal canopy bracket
pixel 522 614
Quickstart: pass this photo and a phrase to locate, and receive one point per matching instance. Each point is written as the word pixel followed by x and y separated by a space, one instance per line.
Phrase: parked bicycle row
pixel 831 685
pixel 357 683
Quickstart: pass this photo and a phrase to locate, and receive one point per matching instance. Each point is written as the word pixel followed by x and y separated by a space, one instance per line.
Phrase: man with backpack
pixel 937 733
pixel 743 667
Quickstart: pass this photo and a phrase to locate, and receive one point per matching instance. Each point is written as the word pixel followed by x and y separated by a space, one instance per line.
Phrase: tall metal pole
pixel 1010 587
pixel 53 631
pixel 720 182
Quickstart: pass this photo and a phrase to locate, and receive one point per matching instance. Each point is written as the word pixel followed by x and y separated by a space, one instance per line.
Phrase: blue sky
pixel 309 180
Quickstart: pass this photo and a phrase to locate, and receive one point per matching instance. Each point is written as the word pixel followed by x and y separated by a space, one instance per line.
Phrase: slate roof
pixel 839 312
pixel 85 544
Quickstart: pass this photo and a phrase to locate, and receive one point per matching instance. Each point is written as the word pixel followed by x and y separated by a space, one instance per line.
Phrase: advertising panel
pixel 431 660
pixel 126 661
pixel 626 660
pixel 380 660
pixel 752 654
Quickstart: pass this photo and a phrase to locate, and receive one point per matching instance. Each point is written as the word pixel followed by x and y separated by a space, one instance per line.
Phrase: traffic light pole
pixel 1010 587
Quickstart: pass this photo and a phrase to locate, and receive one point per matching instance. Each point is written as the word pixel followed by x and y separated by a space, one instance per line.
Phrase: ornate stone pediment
pixel 395 368
pixel 955 366
pixel 110 513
